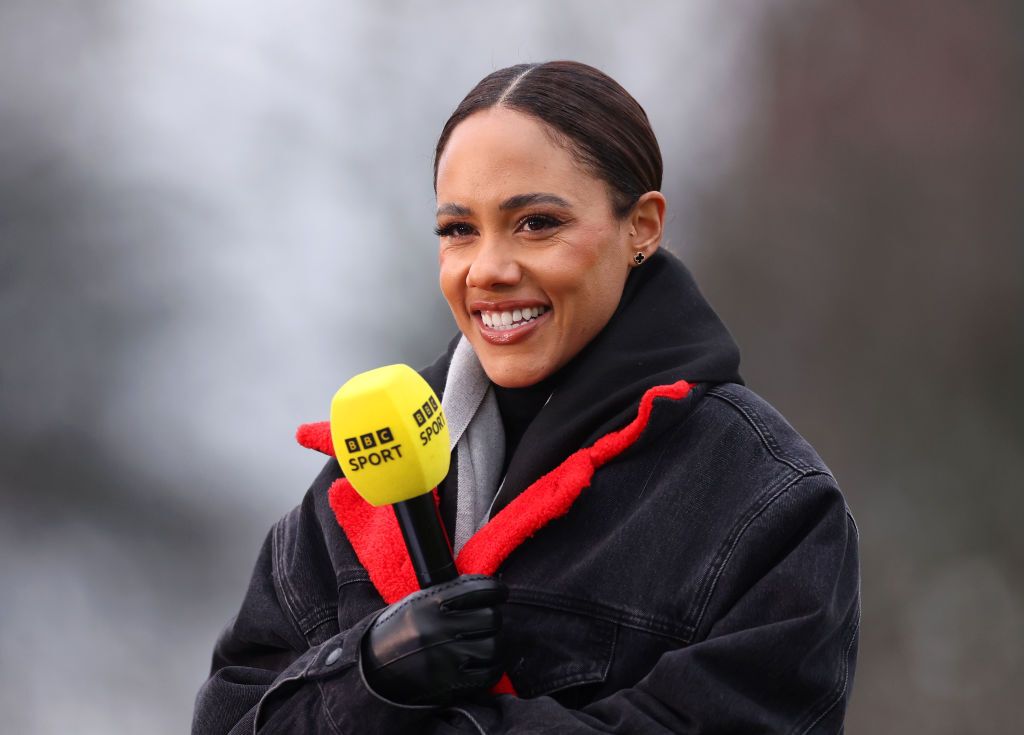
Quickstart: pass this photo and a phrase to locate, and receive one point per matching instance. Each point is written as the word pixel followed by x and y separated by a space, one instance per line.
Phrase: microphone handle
pixel 429 548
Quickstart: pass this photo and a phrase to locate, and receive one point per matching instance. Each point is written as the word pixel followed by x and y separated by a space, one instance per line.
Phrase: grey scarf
pixel 475 427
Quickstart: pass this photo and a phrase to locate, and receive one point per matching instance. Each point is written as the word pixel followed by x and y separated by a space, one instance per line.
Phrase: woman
pixel 675 557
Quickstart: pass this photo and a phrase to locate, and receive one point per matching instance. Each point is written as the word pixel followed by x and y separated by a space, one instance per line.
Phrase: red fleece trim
pixel 316 436
pixel 377 540
pixel 504 686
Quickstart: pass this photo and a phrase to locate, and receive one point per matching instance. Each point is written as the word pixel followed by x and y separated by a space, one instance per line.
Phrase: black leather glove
pixel 437 642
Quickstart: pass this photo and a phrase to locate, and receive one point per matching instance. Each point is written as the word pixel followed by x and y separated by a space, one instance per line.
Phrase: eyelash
pixel 449 229
pixel 546 221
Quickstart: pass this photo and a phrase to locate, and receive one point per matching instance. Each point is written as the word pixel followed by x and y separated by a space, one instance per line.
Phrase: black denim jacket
pixel 703 580
pixel 706 581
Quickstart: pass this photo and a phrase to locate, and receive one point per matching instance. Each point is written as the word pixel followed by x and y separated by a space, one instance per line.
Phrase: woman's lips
pixel 512 325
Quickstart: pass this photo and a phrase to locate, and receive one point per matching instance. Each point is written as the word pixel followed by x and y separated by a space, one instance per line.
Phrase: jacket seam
pixel 611 654
pixel 274 687
pixel 281 580
pixel 315 618
pixel 843 683
pixel 327 710
pixel 853 522
pixel 587 677
pixel 840 690
pixel 767 501
pixel 766 435
pixel 597 611
pixel 473 720
pixel 361 576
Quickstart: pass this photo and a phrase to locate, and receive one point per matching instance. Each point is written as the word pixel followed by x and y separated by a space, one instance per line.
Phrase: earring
pixel 639 257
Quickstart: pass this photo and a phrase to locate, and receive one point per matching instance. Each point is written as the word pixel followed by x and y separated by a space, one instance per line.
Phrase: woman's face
pixel 533 260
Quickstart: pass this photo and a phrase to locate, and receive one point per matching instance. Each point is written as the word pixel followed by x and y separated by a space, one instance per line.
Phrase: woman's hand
pixel 437 643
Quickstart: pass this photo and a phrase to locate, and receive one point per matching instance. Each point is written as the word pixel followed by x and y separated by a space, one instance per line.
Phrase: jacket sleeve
pixel 776 646
pixel 267 677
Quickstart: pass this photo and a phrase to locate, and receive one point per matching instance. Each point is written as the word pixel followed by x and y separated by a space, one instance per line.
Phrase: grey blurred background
pixel 212 214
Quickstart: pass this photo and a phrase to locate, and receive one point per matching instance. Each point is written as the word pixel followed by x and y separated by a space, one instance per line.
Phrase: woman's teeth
pixel 502 320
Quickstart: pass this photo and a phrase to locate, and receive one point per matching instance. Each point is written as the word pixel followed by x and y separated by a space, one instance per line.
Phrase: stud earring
pixel 639 257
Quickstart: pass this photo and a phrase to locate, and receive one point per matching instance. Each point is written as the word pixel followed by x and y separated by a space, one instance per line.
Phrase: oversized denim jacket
pixel 704 579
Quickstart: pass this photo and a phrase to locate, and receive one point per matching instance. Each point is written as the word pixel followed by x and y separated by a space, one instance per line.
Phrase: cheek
pixel 589 276
pixel 592 292
pixel 452 279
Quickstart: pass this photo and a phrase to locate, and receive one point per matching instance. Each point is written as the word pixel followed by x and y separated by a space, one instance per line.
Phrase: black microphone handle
pixel 428 544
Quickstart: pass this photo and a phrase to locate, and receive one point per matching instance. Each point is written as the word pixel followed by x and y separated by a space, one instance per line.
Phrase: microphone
pixel 391 440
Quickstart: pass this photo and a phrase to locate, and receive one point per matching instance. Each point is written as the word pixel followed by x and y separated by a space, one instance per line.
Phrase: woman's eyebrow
pixel 453 210
pixel 525 200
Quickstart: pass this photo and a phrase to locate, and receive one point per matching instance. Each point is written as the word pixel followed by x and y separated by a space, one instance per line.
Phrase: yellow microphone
pixel 391 440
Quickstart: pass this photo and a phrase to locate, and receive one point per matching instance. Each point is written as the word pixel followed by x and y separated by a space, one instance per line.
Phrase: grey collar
pixel 475 428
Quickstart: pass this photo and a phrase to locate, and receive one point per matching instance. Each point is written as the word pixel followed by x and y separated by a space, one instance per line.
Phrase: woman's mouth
pixel 513 319
pixel 511 325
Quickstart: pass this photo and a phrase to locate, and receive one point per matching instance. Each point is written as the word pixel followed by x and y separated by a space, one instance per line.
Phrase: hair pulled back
pixel 603 126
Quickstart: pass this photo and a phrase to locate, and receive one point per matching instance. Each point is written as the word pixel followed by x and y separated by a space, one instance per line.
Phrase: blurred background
pixel 212 214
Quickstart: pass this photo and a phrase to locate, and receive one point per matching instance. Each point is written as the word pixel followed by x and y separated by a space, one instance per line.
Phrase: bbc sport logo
pixel 424 413
pixel 370 440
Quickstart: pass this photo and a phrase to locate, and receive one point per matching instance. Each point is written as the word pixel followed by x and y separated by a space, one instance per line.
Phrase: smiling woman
pixel 644 544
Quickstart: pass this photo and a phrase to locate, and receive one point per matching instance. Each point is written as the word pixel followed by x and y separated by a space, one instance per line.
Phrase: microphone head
pixel 390 435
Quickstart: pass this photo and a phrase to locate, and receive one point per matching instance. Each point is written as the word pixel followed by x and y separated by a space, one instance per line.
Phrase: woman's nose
pixel 494 265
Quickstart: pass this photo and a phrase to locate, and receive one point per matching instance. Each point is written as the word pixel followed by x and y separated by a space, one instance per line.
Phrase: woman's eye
pixel 538 223
pixel 455 229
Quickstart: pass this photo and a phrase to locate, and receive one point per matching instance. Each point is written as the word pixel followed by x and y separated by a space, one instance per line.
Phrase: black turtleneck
pixel 518 407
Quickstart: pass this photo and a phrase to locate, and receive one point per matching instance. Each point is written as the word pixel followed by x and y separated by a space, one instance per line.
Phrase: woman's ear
pixel 646 224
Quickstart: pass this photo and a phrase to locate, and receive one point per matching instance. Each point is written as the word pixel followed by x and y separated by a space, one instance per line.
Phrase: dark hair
pixel 601 124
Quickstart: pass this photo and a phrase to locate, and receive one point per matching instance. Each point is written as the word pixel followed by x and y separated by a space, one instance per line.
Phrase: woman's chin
pixel 518 371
